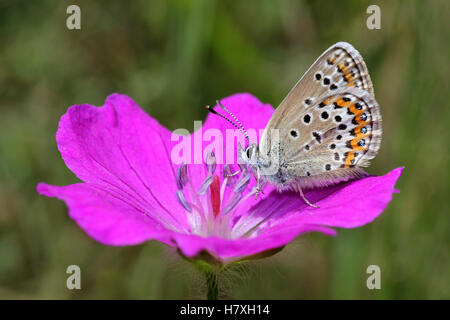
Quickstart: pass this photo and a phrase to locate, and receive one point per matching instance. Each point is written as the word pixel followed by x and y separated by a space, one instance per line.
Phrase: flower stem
pixel 212 285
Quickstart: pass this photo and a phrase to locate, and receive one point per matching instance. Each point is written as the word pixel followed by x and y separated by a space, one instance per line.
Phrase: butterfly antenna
pixel 232 115
pixel 239 127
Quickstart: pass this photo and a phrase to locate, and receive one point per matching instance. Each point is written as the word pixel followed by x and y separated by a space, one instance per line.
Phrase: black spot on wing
pixel 317 136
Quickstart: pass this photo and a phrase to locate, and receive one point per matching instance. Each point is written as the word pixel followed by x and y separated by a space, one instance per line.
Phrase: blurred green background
pixel 173 57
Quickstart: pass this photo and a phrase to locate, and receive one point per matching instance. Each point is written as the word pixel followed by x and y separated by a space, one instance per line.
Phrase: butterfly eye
pixel 248 152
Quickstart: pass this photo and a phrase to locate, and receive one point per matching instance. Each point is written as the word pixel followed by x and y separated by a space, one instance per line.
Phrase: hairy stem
pixel 212 285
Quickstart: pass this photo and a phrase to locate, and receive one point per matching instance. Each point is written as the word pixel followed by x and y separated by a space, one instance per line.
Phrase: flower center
pixel 210 209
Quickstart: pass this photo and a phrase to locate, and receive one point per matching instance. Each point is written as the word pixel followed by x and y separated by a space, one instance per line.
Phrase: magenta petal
pixel 105 216
pixel 352 204
pixel 118 146
pixel 347 205
pixel 228 249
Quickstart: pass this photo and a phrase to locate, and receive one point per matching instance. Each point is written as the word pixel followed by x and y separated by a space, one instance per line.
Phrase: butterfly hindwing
pixel 341 130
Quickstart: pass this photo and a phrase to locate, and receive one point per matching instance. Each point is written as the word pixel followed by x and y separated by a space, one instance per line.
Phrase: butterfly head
pixel 249 155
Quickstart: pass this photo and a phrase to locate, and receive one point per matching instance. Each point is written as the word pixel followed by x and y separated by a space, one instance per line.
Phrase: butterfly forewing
pixel 329 124
pixel 340 66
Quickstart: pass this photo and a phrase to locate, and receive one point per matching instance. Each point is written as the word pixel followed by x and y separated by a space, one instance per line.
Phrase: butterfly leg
pixel 258 183
pixel 306 200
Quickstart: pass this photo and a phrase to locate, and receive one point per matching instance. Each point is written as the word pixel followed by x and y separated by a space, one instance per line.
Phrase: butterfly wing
pixel 340 66
pixel 329 124
pixel 343 134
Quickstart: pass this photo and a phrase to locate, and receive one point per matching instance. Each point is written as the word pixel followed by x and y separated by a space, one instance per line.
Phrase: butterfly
pixel 326 129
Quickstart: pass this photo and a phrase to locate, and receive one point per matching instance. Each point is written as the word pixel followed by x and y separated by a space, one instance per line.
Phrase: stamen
pixel 251 193
pixel 242 184
pixel 182 200
pixel 227 174
pixel 215 195
pixel 214 215
pixel 233 203
pixel 243 167
pixel 182 176
pixel 197 204
pixel 211 162
pixel 205 185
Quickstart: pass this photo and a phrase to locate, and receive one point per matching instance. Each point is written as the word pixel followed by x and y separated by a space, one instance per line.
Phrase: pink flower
pixel 131 191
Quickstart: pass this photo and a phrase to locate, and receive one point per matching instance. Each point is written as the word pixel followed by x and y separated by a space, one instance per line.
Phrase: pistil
pixel 215 195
